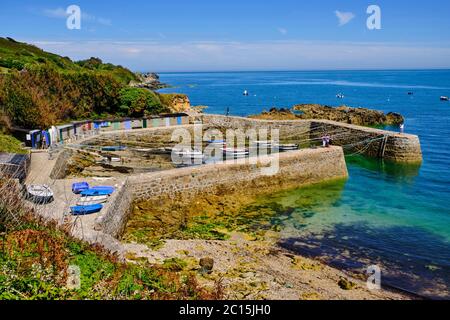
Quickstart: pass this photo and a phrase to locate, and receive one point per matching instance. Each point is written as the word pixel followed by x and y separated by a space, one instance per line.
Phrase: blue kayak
pixel 104 188
pixel 79 187
pixel 95 192
pixel 84 210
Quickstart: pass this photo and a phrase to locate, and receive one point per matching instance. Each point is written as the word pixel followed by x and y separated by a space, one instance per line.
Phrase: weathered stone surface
pixel 207 264
pixel 371 142
pixel 356 116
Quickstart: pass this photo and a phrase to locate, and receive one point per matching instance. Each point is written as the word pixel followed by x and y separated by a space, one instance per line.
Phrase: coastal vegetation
pixel 10 144
pixel 40 89
pixel 35 257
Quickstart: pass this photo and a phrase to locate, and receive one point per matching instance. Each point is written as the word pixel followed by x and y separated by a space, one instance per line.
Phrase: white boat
pixel 287 147
pixel 263 144
pixel 340 96
pixel 444 98
pixel 235 152
pixel 246 93
pixel 87 201
pixel 40 194
pixel 116 160
pixel 189 154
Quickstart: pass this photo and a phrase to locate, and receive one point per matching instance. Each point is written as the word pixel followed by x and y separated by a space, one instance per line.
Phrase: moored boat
pixel 235 152
pixel 85 210
pixel 40 194
pixel 287 147
pixel 114 148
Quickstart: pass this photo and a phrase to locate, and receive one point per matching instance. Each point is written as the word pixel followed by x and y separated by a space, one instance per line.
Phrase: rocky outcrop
pixel 276 114
pixel 149 81
pixel 356 116
pixel 176 102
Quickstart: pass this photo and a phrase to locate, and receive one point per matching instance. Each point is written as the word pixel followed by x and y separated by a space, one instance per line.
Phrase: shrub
pixel 138 102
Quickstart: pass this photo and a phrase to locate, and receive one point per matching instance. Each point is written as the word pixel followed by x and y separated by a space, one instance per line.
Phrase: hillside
pixel 17 56
pixel 39 89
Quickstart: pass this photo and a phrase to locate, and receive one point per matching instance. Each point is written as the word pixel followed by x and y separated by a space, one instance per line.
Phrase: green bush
pixel 11 64
pixel 138 102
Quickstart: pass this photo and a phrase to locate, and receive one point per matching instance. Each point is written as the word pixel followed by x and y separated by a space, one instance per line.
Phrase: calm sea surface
pixel 393 215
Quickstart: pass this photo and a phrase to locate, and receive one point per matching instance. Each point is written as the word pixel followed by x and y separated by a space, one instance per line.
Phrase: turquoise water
pixel 393 215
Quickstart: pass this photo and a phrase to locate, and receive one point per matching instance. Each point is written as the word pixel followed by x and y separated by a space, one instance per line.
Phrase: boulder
pixel 207 265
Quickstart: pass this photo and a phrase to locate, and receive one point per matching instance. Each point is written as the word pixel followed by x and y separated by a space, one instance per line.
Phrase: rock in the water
pixel 207 265
pixel 356 116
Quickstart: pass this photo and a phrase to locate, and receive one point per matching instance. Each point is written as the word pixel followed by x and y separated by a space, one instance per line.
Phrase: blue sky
pixel 194 35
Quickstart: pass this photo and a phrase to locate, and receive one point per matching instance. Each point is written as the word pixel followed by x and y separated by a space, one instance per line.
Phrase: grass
pixel 34 260
pixel 10 144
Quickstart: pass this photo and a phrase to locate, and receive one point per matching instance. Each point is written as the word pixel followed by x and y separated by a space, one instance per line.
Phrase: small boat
pixel 195 154
pixel 40 194
pixel 85 210
pixel 235 152
pixel 213 143
pixel 104 188
pixel 410 93
pixel 263 144
pixel 96 192
pixel 288 147
pixel 114 148
pixel 245 93
pixel 79 187
pixel 444 98
pixel 340 96
pixel 87 201
pixel 116 159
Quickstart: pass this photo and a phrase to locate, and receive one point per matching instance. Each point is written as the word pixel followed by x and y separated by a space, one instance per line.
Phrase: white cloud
pixel 283 31
pixel 61 13
pixel 344 17
pixel 257 55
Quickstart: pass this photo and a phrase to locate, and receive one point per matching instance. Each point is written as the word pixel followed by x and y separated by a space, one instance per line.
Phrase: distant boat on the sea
pixel 410 93
pixel 444 98
pixel 340 96
pixel 246 93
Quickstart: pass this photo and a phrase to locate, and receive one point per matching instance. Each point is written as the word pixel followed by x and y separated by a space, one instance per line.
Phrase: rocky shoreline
pixel 345 114
pixel 235 243
pixel 149 80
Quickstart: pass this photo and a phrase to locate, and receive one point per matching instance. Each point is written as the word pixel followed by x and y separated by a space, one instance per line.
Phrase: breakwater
pixel 371 142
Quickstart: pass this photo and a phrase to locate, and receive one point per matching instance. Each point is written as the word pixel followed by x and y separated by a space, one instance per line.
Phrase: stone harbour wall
pixel 371 142
pixel 113 221
pixel 297 168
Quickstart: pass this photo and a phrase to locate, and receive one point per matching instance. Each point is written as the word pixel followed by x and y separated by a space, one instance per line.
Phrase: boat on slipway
pixel 87 201
pixel 98 191
pixel 85 210
pixel 39 194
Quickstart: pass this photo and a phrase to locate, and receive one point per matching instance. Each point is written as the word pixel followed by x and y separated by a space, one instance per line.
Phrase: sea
pixel 393 216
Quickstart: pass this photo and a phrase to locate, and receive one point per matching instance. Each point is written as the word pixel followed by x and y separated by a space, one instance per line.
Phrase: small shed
pixel 137 124
pixel 65 132
pixel 82 127
pixel 31 137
